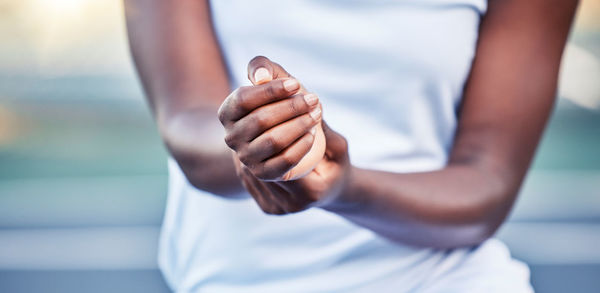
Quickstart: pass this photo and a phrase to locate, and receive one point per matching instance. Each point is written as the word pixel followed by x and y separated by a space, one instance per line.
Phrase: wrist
pixel 345 198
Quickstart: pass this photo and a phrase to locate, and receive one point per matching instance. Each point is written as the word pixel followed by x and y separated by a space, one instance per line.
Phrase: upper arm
pixel 177 55
pixel 511 90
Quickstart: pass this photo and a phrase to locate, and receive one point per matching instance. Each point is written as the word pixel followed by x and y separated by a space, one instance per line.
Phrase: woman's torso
pixel 390 76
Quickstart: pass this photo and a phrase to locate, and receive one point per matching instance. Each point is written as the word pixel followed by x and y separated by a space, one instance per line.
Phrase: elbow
pixel 459 236
pixel 474 224
pixel 205 161
pixel 487 218
pixel 477 234
pixel 494 197
pixel 200 178
pixel 210 176
pixel 463 235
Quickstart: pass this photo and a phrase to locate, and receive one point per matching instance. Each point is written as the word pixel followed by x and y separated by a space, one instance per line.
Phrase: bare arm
pixel 182 71
pixel 507 102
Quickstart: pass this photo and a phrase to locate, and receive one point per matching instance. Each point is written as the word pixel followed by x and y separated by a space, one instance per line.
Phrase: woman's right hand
pixel 270 126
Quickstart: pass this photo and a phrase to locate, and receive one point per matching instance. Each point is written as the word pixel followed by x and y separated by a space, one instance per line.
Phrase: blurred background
pixel 83 176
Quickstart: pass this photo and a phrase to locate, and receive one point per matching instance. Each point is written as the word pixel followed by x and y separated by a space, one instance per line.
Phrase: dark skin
pixel 507 101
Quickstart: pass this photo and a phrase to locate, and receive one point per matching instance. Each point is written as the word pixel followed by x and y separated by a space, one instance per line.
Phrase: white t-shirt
pixel 389 75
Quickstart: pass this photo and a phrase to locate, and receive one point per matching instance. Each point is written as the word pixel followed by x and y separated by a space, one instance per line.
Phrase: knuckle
pixel 269 90
pixel 230 140
pixel 287 161
pixel 235 94
pixel 275 63
pixel 261 120
pixel 261 172
pixel 296 106
pixel 224 109
pixel 243 98
pixel 258 60
pixel 270 142
pixel 277 144
pixel 221 114
pixel 244 157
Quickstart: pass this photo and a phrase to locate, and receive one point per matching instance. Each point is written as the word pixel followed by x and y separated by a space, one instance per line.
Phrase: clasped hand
pixel 270 127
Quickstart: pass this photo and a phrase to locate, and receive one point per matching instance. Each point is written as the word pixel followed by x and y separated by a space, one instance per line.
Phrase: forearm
pixel 507 101
pixel 195 140
pixel 456 206
pixel 179 62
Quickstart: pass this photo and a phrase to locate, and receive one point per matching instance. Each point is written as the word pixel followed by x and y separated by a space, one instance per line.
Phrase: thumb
pixel 337 146
pixel 262 70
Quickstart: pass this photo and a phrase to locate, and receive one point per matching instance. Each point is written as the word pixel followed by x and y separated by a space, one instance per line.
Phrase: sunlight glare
pixel 61 7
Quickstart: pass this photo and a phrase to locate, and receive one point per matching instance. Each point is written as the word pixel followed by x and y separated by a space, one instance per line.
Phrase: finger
pixel 245 99
pixel 275 167
pixel 276 139
pixel 261 70
pixel 287 202
pixel 295 201
pixel 261 194
pixel 268 116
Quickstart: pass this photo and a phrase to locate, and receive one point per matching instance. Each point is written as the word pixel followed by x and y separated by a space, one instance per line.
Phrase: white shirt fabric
pixel 389 74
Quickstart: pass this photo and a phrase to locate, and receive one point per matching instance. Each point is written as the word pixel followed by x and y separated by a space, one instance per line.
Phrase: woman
pixel 432 111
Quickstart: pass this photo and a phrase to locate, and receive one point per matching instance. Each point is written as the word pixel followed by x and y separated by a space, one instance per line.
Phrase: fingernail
pixel 315 113
pixel 261 75
pixel 313 130
pixel 291 85
pixel 311 99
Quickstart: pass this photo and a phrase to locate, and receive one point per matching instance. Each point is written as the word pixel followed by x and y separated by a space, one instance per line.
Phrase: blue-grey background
pixel 83 175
